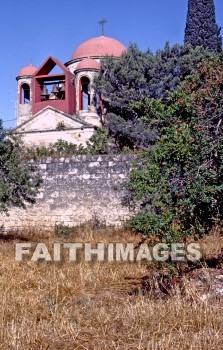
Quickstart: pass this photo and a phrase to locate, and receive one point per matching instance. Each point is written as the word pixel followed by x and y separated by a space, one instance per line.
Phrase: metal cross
pixel 102 23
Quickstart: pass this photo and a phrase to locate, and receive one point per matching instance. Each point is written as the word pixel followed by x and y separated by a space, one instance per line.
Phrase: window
pixel 25 94
pixel 84 93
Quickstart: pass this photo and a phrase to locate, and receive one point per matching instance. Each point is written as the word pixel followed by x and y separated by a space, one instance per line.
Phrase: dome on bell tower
pixel 27 70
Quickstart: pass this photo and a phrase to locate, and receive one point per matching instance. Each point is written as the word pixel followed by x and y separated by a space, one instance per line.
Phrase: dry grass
pixel 212 244
pixel 67 306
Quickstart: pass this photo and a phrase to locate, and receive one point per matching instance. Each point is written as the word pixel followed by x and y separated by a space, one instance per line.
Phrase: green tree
pixel 122 81
pixel 137 75
pixel 126 84
pixel 171 65
pixel 19 179
pixel 201 28
pixel 178 183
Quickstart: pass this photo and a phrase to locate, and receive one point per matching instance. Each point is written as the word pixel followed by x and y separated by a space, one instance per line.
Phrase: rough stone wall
pixel 75 190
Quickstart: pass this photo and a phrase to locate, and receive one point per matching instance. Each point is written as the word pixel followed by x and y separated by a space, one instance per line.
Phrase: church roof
pixel 99 46
pixel 88 63
pixel 27 70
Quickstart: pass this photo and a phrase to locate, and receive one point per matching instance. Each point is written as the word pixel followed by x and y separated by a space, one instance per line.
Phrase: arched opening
pixel 85 96
pixel 25 94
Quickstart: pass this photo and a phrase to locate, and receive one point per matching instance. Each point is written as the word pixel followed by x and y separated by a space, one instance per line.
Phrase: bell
pixel 55 89
pixel 44 91
pixel 62 89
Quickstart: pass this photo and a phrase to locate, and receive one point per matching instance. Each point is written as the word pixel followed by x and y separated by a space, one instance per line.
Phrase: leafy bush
pixel 97 144
pixel 60 126
pixel 127 133
pixel 179 184
pixel 62 230
pixel 19 179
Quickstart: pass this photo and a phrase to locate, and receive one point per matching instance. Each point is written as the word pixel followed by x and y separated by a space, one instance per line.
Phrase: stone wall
pixel 75 190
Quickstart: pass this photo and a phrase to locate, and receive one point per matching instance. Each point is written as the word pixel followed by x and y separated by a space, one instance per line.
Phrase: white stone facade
pixel 42 129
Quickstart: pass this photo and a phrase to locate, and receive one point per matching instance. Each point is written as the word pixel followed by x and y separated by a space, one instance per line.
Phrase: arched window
pixel 25 94
pixel 85 96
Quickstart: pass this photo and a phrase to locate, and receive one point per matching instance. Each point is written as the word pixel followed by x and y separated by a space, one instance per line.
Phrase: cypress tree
pixel 201 28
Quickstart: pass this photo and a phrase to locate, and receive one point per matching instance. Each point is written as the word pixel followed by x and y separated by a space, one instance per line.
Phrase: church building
pixel 57 101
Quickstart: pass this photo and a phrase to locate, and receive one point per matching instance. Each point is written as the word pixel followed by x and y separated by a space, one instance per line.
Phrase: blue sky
pixel 30 31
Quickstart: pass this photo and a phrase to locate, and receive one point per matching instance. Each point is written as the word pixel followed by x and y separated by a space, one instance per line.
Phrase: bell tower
pixel 24 93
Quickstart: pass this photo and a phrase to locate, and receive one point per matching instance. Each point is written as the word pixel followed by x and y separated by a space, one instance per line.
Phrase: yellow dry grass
pixel 67 305
pixel 212 244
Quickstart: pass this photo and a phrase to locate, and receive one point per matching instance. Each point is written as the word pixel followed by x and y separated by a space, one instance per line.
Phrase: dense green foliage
pixel 19 179
pixel 169 105
pixel 201 28
pixel 126 82
pixel 178 184
pixel 122 81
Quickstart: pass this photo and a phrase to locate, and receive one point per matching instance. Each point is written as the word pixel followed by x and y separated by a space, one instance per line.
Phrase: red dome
pixel 28 70
pixel 88 63
pixel 99 46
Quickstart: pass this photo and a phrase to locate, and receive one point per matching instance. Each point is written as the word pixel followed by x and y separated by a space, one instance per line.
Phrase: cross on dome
pixel 102 23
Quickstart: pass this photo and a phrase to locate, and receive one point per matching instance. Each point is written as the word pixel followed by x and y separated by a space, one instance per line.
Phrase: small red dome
pixel 88 63
pixel 28 70
pixel 99 46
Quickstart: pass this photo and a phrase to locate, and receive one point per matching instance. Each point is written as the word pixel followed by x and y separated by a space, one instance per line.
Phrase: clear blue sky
pixel 30 31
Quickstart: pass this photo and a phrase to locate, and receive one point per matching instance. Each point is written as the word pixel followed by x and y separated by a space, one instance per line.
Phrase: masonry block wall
pixel 75 190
